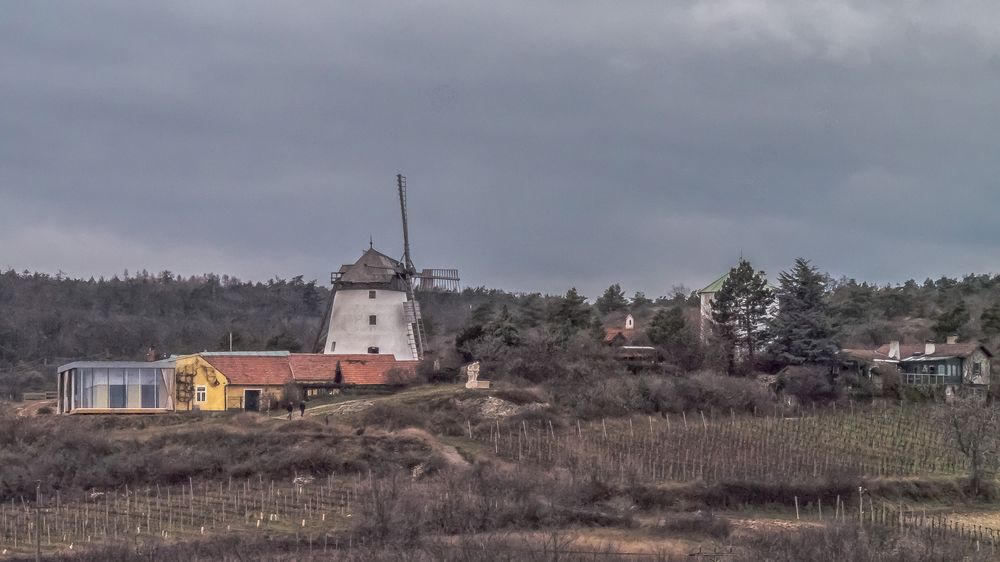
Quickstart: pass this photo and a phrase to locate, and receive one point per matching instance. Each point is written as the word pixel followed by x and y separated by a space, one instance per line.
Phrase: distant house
pixel 216 381
pixel 619 331
pixel 950 365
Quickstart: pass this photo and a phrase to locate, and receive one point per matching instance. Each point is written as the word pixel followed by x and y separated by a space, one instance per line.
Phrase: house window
pixel 371 294
pixel 977 369
pixel 200 394
pixel 371 320
pixel 373 350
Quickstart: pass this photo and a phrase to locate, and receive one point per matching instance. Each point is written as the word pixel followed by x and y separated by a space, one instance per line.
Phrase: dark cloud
pixel 546 144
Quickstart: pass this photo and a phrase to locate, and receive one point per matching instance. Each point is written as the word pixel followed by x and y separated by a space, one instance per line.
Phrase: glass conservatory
pixel 116 386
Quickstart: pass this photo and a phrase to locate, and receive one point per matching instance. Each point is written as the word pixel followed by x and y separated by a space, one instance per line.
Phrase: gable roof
pixel 248 368
pixel 354 368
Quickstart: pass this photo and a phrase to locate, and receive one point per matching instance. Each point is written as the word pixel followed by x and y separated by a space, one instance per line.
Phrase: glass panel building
pixel 116 386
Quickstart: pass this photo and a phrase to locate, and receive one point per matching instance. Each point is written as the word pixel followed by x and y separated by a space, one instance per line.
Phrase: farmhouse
pixel 950 365
pixel 217 381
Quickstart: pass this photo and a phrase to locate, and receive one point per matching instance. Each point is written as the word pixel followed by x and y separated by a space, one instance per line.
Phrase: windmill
pixel 373 306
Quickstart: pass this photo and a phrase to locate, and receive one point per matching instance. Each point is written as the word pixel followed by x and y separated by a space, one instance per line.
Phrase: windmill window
pixel 372 320
pixel 373 350
pixel 333 346
pixel 371 294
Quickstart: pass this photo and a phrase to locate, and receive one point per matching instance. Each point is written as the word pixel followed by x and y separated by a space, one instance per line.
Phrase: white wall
pixel 350 330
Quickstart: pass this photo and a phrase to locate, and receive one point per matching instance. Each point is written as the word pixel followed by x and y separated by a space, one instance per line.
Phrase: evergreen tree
pixel 952 321
pixel 990 320
pixel 640 300
pixel 667 326
pixel 612 300
pixel 504 328
pixel 669 330
pixel 739 310
pixel 569 314
pixel 801 330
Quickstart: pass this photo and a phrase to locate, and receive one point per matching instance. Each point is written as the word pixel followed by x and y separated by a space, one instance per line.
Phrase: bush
pixel 698 523
pixel 809 385
pixel 393 417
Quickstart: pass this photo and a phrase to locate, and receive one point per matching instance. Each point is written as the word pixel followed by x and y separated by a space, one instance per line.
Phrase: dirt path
pixel 449 453
pixel 31 409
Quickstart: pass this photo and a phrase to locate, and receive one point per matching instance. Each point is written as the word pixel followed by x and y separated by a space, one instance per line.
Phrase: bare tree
pixel 974 431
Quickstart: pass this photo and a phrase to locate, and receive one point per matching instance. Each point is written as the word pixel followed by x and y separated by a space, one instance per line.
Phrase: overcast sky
pixel 546 144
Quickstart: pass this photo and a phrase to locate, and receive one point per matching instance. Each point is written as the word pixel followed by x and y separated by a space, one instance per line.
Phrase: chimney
pixel 151 354
pixel 929 347
pixel 894 350
pixel 952 339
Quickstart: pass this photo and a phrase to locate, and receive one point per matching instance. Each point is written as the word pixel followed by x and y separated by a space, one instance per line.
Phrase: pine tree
pixel 667 326
pixel 739 310
pixel 801 331
pixel 640 300
pixel 669 330
pixel 569 314
pixel 952 321
pixel 612 300
pixel 990 320
pixel 504 329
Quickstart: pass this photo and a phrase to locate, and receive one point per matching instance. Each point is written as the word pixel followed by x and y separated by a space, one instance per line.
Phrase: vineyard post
pixel 38 520
pixel 861 505
pixel 796 508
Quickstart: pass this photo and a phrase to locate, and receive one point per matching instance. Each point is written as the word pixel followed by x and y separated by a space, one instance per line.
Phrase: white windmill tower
pixel 373 308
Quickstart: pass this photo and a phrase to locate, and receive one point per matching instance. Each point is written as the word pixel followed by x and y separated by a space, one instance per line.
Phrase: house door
pixel 251 400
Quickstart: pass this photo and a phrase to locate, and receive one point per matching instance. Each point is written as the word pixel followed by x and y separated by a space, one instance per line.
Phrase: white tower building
pixel 371 312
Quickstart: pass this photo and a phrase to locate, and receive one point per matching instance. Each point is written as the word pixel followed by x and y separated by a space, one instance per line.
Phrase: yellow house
pixel 221 381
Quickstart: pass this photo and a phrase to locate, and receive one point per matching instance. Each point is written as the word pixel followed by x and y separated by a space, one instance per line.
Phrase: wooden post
pixel 38 521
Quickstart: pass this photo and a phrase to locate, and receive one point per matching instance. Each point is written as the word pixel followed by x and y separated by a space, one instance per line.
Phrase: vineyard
pixel 874 441
pixel 314 509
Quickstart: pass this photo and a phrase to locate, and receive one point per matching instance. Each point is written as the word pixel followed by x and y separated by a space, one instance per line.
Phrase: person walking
pixel 302 408
pixel 289 408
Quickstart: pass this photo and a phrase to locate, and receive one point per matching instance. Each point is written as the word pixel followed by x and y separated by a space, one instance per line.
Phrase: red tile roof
pixel 252 369
pixel 355 369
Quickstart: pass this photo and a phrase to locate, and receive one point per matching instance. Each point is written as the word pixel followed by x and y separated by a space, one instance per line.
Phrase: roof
pixel 163 364
pixel 941 350
pixel 372 267
pixel 354 368
pixel 611 334
pixel 715 286
pixel 915 352
pixel 243 368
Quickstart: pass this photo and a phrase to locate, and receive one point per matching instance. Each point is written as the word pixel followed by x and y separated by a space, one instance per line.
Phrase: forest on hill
pixel 46 319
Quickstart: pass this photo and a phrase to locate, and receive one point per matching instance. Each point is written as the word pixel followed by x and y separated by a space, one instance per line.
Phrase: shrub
pixel 698 523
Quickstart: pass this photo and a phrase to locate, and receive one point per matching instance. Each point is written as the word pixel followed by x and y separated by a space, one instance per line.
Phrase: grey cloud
pixel 547 144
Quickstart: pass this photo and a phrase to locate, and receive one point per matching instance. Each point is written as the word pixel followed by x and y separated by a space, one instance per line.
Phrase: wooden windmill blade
pixel 411 308
pixel 440 279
